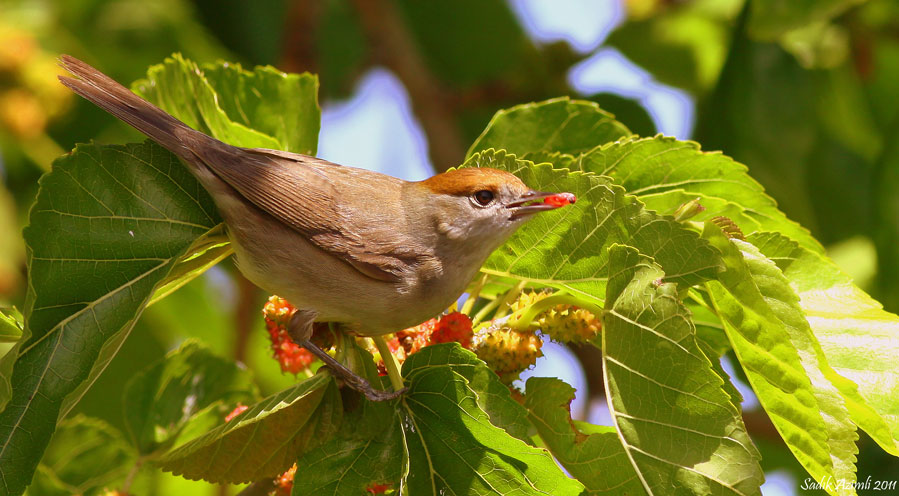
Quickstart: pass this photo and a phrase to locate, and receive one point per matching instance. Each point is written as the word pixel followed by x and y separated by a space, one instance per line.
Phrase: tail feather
pixel 119 101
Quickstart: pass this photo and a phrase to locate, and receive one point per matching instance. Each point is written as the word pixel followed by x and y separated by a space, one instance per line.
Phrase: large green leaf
pixel 770 19
pixel 111 226
pixel 160 400
pixel 783 361
pixel 568 248
pixel 98 246
pixel 679 427
pixel 664 173
pixel 557 125
pixel 168 84
pixel 85 456
pixel 856 335
pixel 372 451
pixel 593 454
pixel 283 106
pixel 266 439
pixel 454 443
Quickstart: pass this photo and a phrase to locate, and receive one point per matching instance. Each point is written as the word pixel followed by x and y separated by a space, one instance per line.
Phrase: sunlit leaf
pixel 856 335
pixel 370 449
pixel 557 125
pixel 11 325
pixel 665 173
pixel 568 248
pixel 783 361
pixel 99 243
pixel 108 229
pixel 678 424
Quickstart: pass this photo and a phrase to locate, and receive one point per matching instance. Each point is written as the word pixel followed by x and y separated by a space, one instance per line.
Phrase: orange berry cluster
pixel 292 357
pixel 452 327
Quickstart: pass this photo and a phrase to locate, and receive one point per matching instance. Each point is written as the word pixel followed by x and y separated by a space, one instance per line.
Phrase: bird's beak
pixel 536 201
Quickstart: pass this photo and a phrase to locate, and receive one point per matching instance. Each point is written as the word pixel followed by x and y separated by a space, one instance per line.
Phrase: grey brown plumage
pixel 304 200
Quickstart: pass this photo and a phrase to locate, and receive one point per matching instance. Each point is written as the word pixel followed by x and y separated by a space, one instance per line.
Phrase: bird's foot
pixel 300 331
pixel 351 378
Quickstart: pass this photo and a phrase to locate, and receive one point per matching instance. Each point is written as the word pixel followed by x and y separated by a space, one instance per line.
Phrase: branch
pixel 393 46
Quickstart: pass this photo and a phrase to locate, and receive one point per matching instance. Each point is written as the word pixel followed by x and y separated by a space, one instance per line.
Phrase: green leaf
pixel 372 451
pixel 98 246
pixel 665 173
pixel 160 400
pixel 168 86
pixel 568 248
pixel 592 454
pixel 86 455
pixel 265 440
pixel 283 106
pixel 208 250
pixel 676 420
pixel 11 326
pixel 454 443
pixel 855 334
pixel 783 361
pixel 770 19
pixel 557 125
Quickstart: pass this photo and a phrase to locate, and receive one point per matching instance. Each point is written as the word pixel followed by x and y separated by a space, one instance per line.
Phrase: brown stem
pixel 299 47
pixel 258 488
pixel 393 46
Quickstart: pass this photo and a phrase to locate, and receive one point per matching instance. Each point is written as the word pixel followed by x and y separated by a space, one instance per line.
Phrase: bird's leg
pixel 300 331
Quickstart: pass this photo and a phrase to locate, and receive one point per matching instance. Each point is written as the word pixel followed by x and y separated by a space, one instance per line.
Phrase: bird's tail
pixel 119 101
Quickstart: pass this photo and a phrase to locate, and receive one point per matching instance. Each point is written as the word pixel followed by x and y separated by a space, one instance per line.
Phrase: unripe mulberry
pixel 569 324
pixel 292 357
pixel 565 323
pixel 506 351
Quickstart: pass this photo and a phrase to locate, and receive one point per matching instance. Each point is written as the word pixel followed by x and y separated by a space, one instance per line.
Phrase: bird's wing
pixel 307 201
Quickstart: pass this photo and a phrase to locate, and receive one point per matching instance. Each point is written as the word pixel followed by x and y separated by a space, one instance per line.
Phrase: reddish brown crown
pixel 463 182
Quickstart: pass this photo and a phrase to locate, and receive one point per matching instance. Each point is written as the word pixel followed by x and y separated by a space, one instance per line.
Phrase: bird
pixel 343 245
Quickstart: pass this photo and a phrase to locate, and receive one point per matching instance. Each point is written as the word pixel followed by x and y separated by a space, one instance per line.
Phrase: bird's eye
pixel 483 197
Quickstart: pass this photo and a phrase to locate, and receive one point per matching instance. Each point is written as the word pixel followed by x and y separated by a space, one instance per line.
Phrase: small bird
pixel 344 245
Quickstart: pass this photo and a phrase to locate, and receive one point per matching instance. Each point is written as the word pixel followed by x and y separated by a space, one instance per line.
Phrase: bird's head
pixel 485 204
